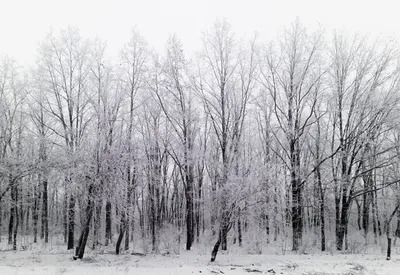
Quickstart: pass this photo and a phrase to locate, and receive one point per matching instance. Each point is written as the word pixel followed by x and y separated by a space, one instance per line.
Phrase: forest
pixel 291 143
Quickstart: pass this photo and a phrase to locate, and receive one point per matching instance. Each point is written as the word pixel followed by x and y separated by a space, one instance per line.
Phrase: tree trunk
pixel 108 222
pixel 65 212
pixel 358 214
pixel 14 217
pixel 45 212
pixel 297 207
pixel 153 225
pixel 11 225
pixel 376 211
pixel 35 215
pixel 389 248
pixel 71 222
pixel 322 217
pixel 198 206
pixel 239 225
pixel 224 241
pixel 127 230
pixel 80 250
pixel 341 225
pixel 1 222
pixel 223 231
pixel 322 207
pixel 120 237
pixel 216 247
pixel 366 205
pixel 297 221
pixel 189 217
pixel 97 224
pixel 213 202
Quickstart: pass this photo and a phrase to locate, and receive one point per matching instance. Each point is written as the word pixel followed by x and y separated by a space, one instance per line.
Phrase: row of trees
pixel 244 138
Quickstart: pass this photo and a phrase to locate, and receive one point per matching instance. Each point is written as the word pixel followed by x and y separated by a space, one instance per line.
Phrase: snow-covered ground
pixel 107 263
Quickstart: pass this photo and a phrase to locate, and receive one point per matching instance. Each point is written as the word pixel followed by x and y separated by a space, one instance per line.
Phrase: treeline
pixel 245 142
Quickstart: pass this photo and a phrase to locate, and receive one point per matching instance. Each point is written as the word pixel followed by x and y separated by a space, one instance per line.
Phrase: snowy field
pixel 107 263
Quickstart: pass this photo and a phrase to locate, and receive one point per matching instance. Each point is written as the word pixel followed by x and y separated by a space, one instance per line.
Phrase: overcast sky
pixel 24 23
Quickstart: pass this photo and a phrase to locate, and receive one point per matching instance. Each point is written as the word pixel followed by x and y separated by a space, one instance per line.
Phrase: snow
pixel 60 262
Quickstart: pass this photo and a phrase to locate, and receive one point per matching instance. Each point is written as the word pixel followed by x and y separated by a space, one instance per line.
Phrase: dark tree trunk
pixel 216 247
pixel 213 196
pixel 224 241
pixel 358 215
pixel 234 233
pixel 375 211
pixel 297 221
pixel 80 250
pixel 337 220
pixel 35 215
pixel 14 217
pixel 189 213
pixel 10 225
pixel 239 225
pixel 15 230
pixel 389 248
pixel 71 222
pixel 65 212
pixel 97 224
pixel 1 222
pixel 297 207
pixel 129 206
pixel 189 224
pixel 198 205
pixel 142 216
pixel 224 224
pixel 154 185
pixel 120 236
pixel 153 221
pixel 108 223
pixel 20 210
pixel 341 226
pixel 366 204
pixel 132 224
pixel 127 230
pixel 267 229
pixel 322 208
pixel 45 212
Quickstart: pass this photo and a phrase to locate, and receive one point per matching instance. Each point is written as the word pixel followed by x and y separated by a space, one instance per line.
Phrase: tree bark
pixel 97 224
pixel 341 225
pixel 35 214
pixel 71 222
pixel 121 235
pixel 45 212
pixel 297 205
pixel 80 250
pixel 108 223
pixel 198 208
pixel 65 213
pixel 322 208
pixel 358 215
pixel 216 247
pixel 239 225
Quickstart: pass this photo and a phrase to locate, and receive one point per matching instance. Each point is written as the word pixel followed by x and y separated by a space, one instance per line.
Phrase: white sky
pixel 23 23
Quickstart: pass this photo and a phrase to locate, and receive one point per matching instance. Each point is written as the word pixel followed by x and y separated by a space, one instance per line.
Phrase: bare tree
pixel 134 57
pixel 225 86
pixel 65 64
pixel 292 75
pixel 359 72
pixel 176 102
